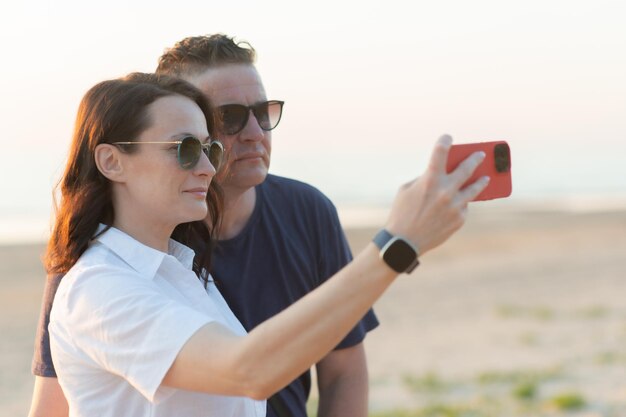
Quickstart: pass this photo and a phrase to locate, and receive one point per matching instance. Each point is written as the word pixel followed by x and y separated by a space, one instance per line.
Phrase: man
pixel 279 238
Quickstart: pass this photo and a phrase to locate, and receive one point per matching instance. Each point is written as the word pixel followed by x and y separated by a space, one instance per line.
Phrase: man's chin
pixel 242 180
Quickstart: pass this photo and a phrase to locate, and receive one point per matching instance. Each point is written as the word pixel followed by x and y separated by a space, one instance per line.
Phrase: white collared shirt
pixel 120 317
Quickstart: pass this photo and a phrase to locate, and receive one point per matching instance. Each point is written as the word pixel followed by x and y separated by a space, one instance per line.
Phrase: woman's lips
pixel 198 192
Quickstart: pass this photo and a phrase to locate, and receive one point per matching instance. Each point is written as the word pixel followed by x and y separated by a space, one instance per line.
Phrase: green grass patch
pixel 529 339
pixel 608 358
pixel 393 413
pixel 429 382
pixel 435 410
pixel 569 401
pixel 525 391
pixel 311 407
pixel 509 311
pixel 593 312
pixel 541 313
pixel 517 377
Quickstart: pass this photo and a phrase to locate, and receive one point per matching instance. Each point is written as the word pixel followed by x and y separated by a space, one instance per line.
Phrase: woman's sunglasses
pixel 190 149
pixel 234 117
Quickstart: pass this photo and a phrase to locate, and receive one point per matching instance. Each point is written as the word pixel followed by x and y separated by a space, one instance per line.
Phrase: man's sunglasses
pixel 234 117
pixel 190 150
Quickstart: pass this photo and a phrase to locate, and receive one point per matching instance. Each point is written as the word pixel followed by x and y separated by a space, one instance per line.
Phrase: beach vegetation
pixel 606 358
pixel 593 312
pixel 311 407
pixel 435 410
pixel 610 358
pixel 518 376
pixel 429 382
pixel 540 313
pixel 529 339
pixel 508 311
pixel 525 391
pixel 568 401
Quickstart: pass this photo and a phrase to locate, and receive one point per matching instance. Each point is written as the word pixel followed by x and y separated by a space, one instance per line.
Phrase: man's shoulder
pixel 290 188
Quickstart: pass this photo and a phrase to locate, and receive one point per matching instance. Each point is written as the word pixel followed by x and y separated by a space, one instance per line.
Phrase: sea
pixel 361 184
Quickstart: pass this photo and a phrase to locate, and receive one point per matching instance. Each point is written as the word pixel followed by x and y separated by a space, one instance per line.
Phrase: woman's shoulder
pixel 100 274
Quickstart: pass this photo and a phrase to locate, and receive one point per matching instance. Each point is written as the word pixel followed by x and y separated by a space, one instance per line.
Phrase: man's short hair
pixel 195 54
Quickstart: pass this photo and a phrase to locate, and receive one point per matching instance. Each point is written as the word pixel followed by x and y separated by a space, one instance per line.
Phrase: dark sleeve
pixel 42 359
pixel 335 254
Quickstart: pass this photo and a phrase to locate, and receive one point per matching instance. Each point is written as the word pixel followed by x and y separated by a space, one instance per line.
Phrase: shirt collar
pixel 143 259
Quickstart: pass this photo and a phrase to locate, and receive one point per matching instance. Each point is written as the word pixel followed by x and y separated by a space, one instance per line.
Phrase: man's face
pixel 248 151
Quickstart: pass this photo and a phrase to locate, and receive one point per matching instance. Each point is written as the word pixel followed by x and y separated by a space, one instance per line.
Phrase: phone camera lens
pixel 502 157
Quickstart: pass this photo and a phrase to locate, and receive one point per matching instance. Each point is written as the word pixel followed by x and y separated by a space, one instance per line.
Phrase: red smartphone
pixel 496 165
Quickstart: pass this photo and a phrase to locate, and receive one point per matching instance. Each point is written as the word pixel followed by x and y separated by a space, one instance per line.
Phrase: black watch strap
pixel 397 252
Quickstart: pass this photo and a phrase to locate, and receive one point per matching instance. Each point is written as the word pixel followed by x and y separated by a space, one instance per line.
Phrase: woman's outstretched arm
pixel 426 211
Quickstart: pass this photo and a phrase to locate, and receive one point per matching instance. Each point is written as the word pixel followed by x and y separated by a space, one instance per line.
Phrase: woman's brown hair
pixel 117 110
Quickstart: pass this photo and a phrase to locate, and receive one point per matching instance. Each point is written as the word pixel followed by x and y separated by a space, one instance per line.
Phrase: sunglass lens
pixel 189 152
pixel 216 154
pixel 233 118
pixel 268 114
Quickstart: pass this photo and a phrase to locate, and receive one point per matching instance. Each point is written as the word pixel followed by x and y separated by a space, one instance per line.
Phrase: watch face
pixel 399 255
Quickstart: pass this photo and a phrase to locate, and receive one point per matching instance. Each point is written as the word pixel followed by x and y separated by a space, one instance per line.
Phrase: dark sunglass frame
pixel 214 150
pixel 245 115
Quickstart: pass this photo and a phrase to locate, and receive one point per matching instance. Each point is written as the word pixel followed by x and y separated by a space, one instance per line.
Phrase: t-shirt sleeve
pixel 128 327
pixel 335 254
pixel 42 359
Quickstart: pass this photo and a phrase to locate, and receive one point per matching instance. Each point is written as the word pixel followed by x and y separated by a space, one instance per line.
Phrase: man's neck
pixel 238 207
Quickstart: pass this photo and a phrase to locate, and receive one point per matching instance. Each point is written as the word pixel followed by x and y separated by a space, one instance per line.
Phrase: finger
pixel 440 154
pixel 473 190
pixel 464 171
pixel 408 184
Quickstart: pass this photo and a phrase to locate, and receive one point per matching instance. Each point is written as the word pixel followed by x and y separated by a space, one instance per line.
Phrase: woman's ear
pixel 109 162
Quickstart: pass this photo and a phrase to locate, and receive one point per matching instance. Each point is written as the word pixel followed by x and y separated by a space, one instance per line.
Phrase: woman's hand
pixel 429 209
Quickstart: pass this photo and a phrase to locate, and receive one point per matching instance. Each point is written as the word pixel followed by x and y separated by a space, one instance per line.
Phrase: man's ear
pixel 109 162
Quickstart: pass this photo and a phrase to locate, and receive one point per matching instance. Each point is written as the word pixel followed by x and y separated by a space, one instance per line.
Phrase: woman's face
pixel 155 184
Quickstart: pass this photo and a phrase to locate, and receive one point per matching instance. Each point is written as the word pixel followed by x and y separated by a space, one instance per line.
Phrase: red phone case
pixel 497 165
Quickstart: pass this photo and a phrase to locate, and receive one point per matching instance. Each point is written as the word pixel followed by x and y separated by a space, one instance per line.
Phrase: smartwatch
pixel 397 252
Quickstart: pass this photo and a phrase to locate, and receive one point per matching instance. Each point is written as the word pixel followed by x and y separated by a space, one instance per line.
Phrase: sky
pixel 368 87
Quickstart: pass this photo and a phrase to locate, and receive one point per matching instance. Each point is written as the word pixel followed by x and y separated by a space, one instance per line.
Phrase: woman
pixel 137 326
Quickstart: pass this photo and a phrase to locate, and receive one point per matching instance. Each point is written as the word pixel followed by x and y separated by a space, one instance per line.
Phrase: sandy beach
pixel 522 313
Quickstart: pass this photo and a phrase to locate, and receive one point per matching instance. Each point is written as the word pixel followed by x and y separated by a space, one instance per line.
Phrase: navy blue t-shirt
pixel 292 243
